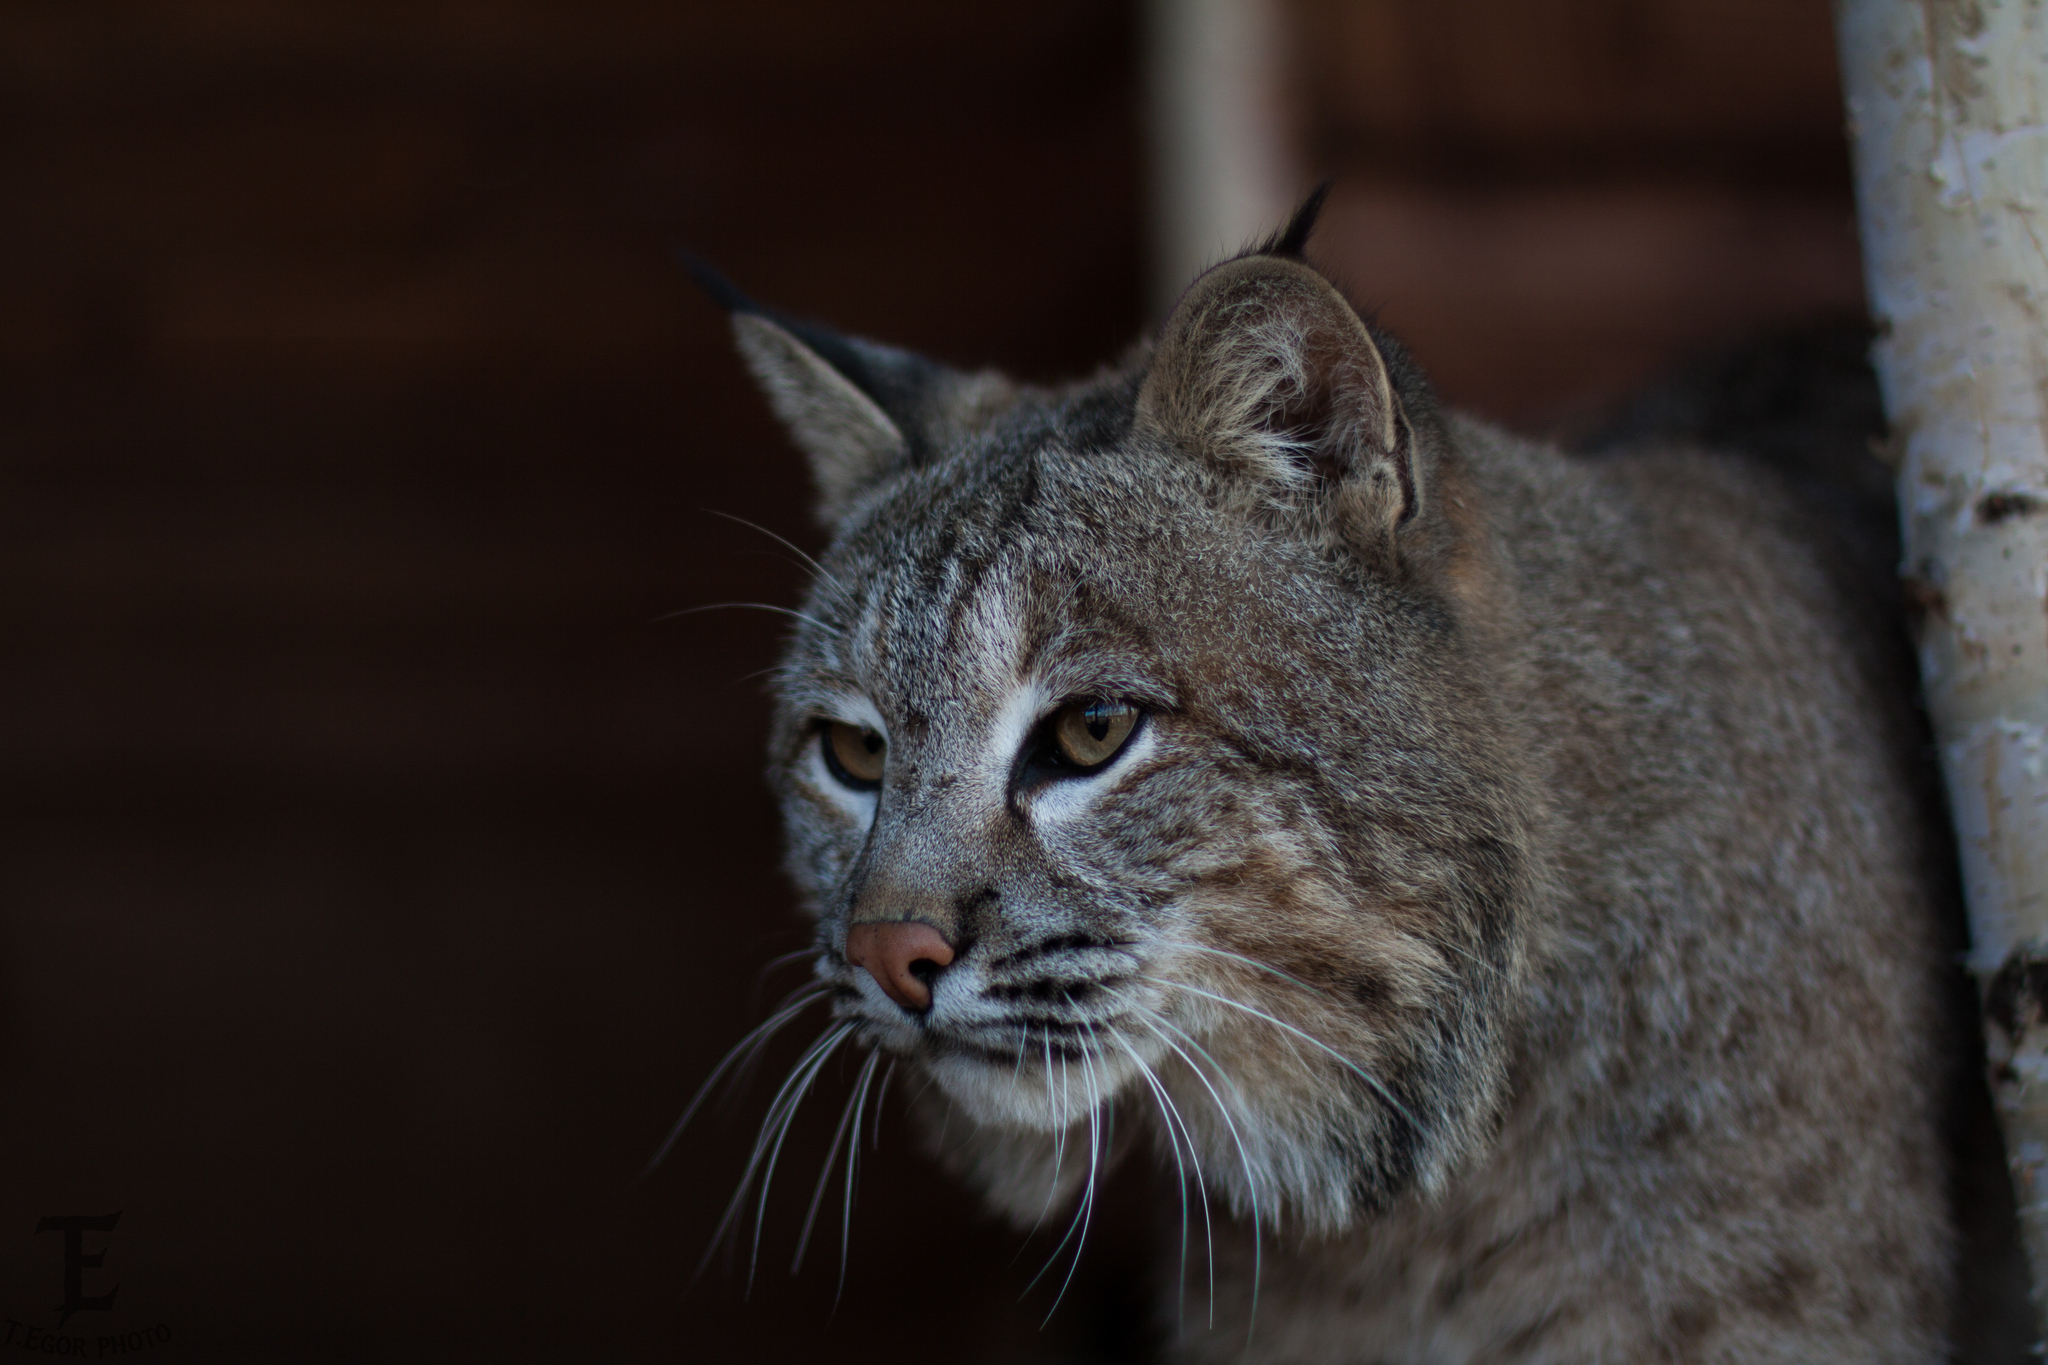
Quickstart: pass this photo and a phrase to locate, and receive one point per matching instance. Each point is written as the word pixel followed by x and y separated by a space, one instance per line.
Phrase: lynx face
pixel 1134 751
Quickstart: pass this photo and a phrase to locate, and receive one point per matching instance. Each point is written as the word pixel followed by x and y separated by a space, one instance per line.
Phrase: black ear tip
pixel 1292 240
pixel 716 287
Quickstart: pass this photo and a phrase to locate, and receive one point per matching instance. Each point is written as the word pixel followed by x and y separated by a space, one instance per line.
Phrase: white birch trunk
pixel 1948 112
pixel 1223 165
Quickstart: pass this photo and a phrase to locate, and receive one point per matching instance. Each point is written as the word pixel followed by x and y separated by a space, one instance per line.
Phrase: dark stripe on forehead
pixel 1061 599
pixel 951 547
pixel 923 555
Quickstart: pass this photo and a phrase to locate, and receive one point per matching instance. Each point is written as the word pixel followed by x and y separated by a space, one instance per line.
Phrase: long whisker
pixel 875 1137
pixel 796 1098
pixel 770 671
pixel 751 606
pixel 1079 1222
pixel 1249 962
pixel 1244 1159
pixel 852 1170
pixel 1261 966
pixel 846 1120
pixel 1202 1189
pixel 1170 1115
pixel 815 566
pixel 1094 1169
pixel 1058 1130
pixel 1152 1019
pixel 1055 1113
pixel 819 1049
pixel 732 1209
pixel 755 1039
pixel 773 965
pixel 1354 1067
pixel 784 960
pixel 742 1073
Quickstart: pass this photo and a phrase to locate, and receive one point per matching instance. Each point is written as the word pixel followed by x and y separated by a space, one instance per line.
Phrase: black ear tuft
pixel 898 381
pixel 1291 241
pixel 857 408
pixel 716 287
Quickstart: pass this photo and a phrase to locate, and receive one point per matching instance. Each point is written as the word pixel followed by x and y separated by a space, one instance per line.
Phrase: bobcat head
pixel 1143 743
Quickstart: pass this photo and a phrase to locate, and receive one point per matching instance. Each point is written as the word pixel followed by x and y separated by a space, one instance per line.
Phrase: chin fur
pixel 1266 1125
pixel 1033 1097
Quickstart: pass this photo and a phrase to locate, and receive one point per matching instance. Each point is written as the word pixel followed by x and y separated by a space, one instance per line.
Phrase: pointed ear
pixel 857 408
pixel 844 431
pixel 1265 372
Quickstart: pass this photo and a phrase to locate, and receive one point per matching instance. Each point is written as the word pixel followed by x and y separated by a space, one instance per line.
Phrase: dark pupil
pixel 1097 718
pixel 871 741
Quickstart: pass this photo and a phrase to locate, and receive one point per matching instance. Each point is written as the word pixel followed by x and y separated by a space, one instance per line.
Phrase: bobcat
pixel 1489 882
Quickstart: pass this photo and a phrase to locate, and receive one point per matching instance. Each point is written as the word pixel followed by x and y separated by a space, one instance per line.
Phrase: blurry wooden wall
pixel 381 873
pixel 378 873
pixel 1550 199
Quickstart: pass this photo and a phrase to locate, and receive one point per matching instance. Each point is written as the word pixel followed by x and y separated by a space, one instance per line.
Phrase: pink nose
pixel 902 957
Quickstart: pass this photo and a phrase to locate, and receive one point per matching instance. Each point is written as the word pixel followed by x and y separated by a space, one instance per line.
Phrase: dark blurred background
pixel 382 867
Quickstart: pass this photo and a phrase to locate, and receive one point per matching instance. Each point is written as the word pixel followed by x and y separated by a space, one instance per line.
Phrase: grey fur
pixel 1511 902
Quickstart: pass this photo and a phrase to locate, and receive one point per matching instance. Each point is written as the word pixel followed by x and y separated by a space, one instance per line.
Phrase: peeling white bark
pixel 1948 112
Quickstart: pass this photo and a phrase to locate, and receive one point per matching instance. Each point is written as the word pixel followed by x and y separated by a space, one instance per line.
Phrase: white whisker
pixel 1249 962
pixel 1170 1113
pixel 796 1097
pixel 790 546
pixel 1053 1121
pixel 1058 1115
pixel 751 606
pixel 788 1095
pixel 1095 1155
pixel 846 1121
pixel 882 1094
pixel 1354 1067
pixel 755 1039
pixel 783 961
pixel 1084 1213
pixel 852 1170
pixel 1243 1156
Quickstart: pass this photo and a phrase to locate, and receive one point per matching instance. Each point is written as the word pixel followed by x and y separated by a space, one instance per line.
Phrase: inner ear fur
pixel 858 409
pixel 1267 373
pixel 844 433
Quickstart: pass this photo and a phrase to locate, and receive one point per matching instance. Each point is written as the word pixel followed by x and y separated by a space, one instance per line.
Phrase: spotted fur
pixel 1506 918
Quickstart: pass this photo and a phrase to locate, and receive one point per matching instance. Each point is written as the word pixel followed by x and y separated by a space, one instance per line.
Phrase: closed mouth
pixel 1052 991
pixel 1025 1039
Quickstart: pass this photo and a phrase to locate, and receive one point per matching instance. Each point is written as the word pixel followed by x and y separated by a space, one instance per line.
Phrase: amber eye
pixel 1089 733
pixel 853 755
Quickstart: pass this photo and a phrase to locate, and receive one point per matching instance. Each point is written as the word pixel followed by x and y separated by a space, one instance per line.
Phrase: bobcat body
pixel 1501 900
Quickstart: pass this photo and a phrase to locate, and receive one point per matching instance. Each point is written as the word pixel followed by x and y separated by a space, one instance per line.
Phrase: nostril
pixel 904 957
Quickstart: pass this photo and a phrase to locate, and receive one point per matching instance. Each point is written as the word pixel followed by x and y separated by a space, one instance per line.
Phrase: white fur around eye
pixel 1012 727
pixel 1065 799
pixel 858 805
